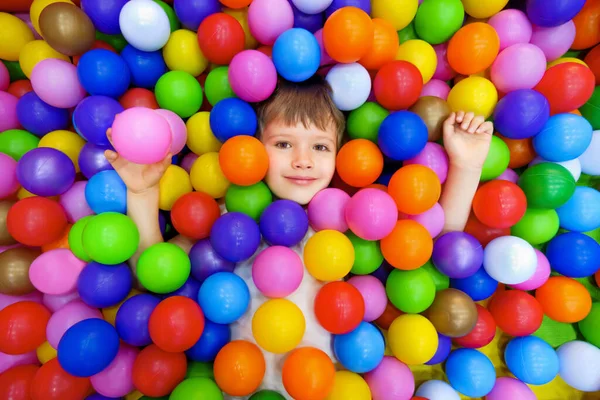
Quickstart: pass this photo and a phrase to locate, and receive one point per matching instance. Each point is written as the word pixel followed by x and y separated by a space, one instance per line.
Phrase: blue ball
pixel 97 396
pixel 443 350
pixel 563 138
pixel 103 73
pixel 402 135
pixel 104 14
pixel 478 286
pixel 93 116
pixel 214 337
pixel 224 297
pixel 296 54
pixel 581 213
pixel 88 347
pixel 190 289
pixel 574 254
pixel 361 350
pixel 235 236
pixel 145 67
pixel 38 117
pixel 105 192
pixel 531 360
pixel 102 285
pixel 335 5
pixel 232 117
pixel 470 372
pixel 550 13
pixel 521 114
pixel 132 319
pixel 283 223
pixel 191 13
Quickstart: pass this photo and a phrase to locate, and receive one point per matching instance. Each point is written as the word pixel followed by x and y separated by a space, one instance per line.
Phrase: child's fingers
pixel 486 128
pixel 459 116
pixel 467 120
pixel 114 159
pixel 167 160
pixel 476 123
pixel 109 136
pixel 451 120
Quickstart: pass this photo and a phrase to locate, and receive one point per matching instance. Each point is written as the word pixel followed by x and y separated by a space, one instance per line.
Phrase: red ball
pixel 157 372
pixel 52 382
pixel 397 85
pixel 567 86
pixel 483 233
pixel 139 97
pixel 20 88
pixel 482 334
pixel 176 324
pixel 23 327
pixel 220 37
pixel 499 204
pixel 36 221
pixel 194 214
pixel 516 312
pixel 339 307
pixel 15 383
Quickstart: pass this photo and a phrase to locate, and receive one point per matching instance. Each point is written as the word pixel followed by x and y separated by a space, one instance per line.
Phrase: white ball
pixel 510 260
pixel 580 365
pixel 437 390
pixel 573 166
pixel 590 159
pixel 351 85
pixel 312 6
pixel 145 25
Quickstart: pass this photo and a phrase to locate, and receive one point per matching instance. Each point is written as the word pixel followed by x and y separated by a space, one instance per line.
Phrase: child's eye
pixel 283 145
pixel 321 147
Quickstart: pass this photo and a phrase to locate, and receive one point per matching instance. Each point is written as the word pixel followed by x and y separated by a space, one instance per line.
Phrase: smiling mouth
pixel 301 180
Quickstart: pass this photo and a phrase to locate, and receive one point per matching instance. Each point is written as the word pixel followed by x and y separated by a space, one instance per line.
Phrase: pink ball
pixel 373 293
pixel 520 66
pixel 178 130
pixel 433 156
pixel 252 76
pixel 512 27
pixel 541 275
pixel 56 83
pixel 188 161
pixel 55 302
pixel 4 77
pixel 436 88
pixel 391 380
pixel 56 271
pixel 510 388
pixel 6 300
pixel 554 41
pixel 74 202
pixel 7 361
pixel 66 317
pixel 371 214
pixel 325 58
pixel 433 219
pixel 268 19
pixel 117 379
pixel 8 112
pixel 326 210
pixel 443 70
pixel 509 175
pixel 277 271
pixel 8 180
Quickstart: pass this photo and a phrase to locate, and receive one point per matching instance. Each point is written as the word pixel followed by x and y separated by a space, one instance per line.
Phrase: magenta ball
pixel 436 88
pixel 540 276
pixel 268 19
pixel 188 161
pixel 373 293
pixel 509 175
pixel 4 77
pixel 520 66
pixel 277 271
pixel 8 112
pixel 371 214
pixel 512 27
pixel 434 157
pixel 51 280
pixel 443 70
pixel 510 388
pixel 6 300
pixel 326 210
pixel 55 302
pixel 7 361
pixel 178 130
pixel 391 380
pixel 56 83
pixel 8 180
pixel 252 76
pixel 433 219
pixel 66 317
pixel 116 380
pixel 325 58
pixel 554 41
pixel 74 202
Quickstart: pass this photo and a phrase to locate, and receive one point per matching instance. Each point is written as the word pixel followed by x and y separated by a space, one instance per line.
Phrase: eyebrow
pixel 290 135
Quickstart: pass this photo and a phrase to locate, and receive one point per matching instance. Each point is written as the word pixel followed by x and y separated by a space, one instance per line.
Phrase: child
pixel 302 131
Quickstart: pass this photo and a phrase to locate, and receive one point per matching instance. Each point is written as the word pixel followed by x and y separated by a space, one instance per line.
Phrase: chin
pixel 300 195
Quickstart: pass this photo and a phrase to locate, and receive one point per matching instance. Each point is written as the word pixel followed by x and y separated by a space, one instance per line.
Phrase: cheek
pixel 328 167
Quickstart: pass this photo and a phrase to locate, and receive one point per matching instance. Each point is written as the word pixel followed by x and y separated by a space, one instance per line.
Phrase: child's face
pixel 301 161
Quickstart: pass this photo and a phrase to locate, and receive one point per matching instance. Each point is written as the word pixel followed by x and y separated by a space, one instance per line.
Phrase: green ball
pixel 163 268
pixel 266 395
pixel 197 369
pixel 590 325
pixel 537 226
pixel 217 85
pixel 197 389
pixel 179 92
pixel 173 21
pixel 555 333
pixel 110 238
pixel 407 33
pixel 250 200
pixel 496 161
pixel 410 291
pixel 367 255
pixel 154 398
pixel 440 280
pixel 547 185
pixel 437 20
pixel 118 42
pixel 14 70
pixel 591 109
pixel 364 122
pixel 595 234
pixel 17 142
pixel 76 239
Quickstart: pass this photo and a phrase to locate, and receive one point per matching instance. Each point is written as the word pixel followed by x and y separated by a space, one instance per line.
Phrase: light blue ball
pixel 224 297
pixel 470 372
pixel 563 138
pixel 361 350
pixel 531 360
pixel 106 191
pixel 581 213
pixel 296 54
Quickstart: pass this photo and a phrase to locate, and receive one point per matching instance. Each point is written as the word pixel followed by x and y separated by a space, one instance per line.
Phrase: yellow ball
pixel 475 94
pixel 36 10
pixel 483 8
pixel 45 352
pixel 36 51
pixel 349 386
pixel 241 15
pixel 328 255
pixel 14 35
pixel 421 54
pixel 110 313
pixel 413 339
pixel 68 142
pixel 399 12
pixel 135 395
pixel 173 184
pixel 278 326
pixel 182 53
pixel 23 193
pixel 201 139
pixel 207 177
pixel 566 60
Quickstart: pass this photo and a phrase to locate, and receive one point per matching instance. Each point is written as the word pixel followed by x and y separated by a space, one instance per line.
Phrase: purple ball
pixel 283 223
pixel 521 114
pixel 46 172
pixel 132 319
pixel 102 285
pixel 190 289
pixel 382 273
pixel 206 261
pixel 93 116
pixel 364 5
pixel 310 22
pixel 40 118
pixel 162 222
pixel 457 255
pixel 92 160
pixel 104 14
pixel 443 350
pixel 192 12
pixel 235 236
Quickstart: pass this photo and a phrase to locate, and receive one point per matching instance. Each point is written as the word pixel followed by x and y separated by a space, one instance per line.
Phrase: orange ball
pixel 308 374
pixel 348 34
pixel 408 247
pixel 235 4
pixel 564 299
pixel 415 188
pixel 385 45
pixel 60 243
pixel 587 26
pixel 239 368
pixel 521 151
pixel 244 160
pixel 473 48
pixel 359 162
pixel 388 316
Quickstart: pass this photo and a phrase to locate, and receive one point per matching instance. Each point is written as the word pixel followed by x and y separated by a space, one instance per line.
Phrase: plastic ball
pixel 146 67
pixel 541 275
pixel 221 37
pixel 103 286
pixel 415 189
pixel 192 13
pixel 217 86
pixel 221 308
pixel 436 22
pixel 478 286
pixel 103 73
pixel 16 142
pixel 46 172
pixel 296 55
pixel 67 142
pixel 410 291
pixel 581 213
pixel 231 117
pixel 182 53
pixel 110 238
pixel 339 307
pixel 497 160
pixel 33 114
pixel 590 165
pixel 499 204
pixel 412 339
pixel 457 255
pixel 470 372
pixel 239 368
pixel 557 14
pixel 531 360
pixel 350 84
pixel 243 160
pixel 18 32
pixel 397 85
pixel 206 176
pixel 105 18
pixel 530 63
pixel 349 385
pixel 373 294
pixel 517 313
pixel 157 372
pixel 163 268
pixel 180 92
pixel 408 246
pixel 139 97
pixel 567 87
pixel 359 162
pixel 116 379
pixel 251 200
pixel 507 387
pixel 482 334
pixel 509 260
pixel 371 214
pixel 578 365
pixel 521 114
pixel 93 116
pixel 173 184
pixel 421 54
pixel 411 142
pixel 52 379
pixel 145 25
pixel 563 138
pixel 193 215
pixel 547 185
pixel 17 381
pixel 11 117
pixel 473 48
pixel 132 319
pixel 106 192
pixel 564 299
pixel 278 326
pixel 176 324
pixel 47 279
pixel 452 313
pixel 36 221
pixel 364 122
pixel 588 325
pixel 10 183
pixel 360 350
pixel 512 26
pixel 56 82
pixel 348 35
pixel 328 255
pixel 192 386
pixel 272 280
pixel 554 41
pixel 308 373
pixel 226 233
pixel 434 157
pixel 34 52
pixel 384 47
pixel 474 94
pixel 23 327
pixel 66 317
pixel 326 210
pixel 391 379
pixel 573 254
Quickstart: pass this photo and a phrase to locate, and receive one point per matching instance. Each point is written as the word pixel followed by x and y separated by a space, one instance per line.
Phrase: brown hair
pixel 309 103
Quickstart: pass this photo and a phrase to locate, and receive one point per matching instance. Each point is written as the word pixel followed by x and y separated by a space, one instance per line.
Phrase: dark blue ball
pixel 283 223
pixel 521 114
pixel 478 286
pixel 103 73
pixel 232 117
pixel 402 135
pixel 40 118
pixel 214 337
pixel 145 67
pixel 132 319
pixel 235 236
pixel 574 254
pixel 102 286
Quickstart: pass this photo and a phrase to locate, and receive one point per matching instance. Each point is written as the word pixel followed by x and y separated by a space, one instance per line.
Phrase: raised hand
pixel 467 139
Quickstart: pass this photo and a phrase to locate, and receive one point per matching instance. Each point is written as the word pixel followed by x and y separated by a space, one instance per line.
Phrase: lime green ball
pixel 437 20
pixel 197 389
pixel 547 185
pixel 410 291
pixel 591 109
pixel 595 234
pixel 76 237
pixel 537 226
pixel 118 42
pixel 173 21
pixel 407 33
pixel 440 280
pixel 217 85
pixel 163 268
pixel 367 255
pixel 110 238
pixel 266 395
pixel 496 161
pixel 16 142
pixel 197 369
pixel 179 92
pixel 154 398
pixel 250 200
pixel 590 325
pixel 364 122
pixel 555 333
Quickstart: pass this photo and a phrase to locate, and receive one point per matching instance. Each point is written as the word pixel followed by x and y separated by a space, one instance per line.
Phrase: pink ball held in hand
pixel 277 271
pixel 326 210
pixel 178 130
pixel 371 214
pixel 141 135
pixel 252 76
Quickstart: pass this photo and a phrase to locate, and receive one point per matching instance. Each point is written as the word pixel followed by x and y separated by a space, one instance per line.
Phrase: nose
pixel 302 159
